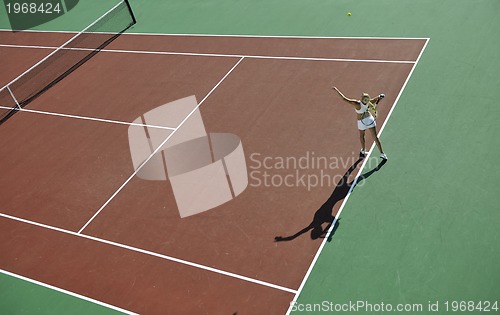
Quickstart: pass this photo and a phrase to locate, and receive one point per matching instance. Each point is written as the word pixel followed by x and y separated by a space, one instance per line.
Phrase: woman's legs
pixel 362 139
pixel 377 141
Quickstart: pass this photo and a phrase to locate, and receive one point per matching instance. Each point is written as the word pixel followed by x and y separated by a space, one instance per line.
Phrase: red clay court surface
pixel 137 253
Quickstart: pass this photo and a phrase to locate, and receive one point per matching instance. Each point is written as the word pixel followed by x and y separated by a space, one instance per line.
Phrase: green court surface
pixel 425 227
pixel 21 297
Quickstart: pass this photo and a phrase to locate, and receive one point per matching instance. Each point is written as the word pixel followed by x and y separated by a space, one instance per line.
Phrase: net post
pixel 130 10
pixel 13 97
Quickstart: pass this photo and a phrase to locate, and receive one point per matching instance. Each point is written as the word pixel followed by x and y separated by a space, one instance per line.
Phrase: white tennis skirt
pixel 366 123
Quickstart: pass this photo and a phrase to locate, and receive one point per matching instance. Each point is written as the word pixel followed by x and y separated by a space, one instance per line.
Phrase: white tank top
pixel 363 108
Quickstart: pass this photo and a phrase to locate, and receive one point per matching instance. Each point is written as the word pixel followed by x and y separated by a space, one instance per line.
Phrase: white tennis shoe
pixel 383 156
pixel 362 152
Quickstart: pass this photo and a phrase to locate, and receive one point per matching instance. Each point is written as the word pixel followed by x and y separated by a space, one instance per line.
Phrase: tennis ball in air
pixel 348 13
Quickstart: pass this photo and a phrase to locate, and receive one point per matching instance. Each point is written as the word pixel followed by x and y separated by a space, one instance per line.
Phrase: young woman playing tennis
pixel 366 121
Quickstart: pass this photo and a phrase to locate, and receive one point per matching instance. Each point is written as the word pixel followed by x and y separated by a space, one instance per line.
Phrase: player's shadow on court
pixel 325 213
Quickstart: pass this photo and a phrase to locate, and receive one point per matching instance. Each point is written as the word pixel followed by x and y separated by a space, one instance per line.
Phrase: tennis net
pixel 65 59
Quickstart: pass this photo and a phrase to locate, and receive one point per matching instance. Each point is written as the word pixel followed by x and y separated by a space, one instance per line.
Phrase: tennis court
pixel 84 216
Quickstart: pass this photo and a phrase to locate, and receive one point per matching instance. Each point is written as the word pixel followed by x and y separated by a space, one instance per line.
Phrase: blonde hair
pixel 366 94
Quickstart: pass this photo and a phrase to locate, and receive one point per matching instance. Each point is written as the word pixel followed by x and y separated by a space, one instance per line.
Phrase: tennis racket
pixel 374 106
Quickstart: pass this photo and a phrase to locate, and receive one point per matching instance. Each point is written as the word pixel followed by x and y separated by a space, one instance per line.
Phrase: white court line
pixel 150 253
pixel 320 249
pixel 87 118
pixel 191 54
pixel 277 36
pixel 157 149
pixel 235 35
pixel 8 273
pixel 213 55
